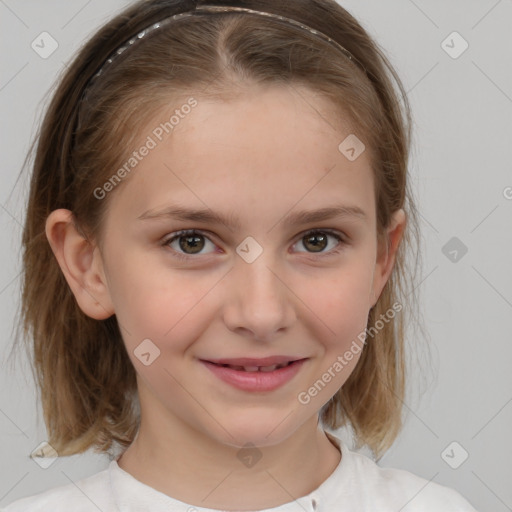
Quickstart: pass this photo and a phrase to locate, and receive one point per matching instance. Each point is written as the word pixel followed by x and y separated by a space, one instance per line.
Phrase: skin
pixel 263 155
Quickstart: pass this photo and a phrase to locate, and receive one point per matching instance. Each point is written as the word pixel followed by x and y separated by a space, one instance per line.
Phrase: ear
pixel 81 263
pixel 386 252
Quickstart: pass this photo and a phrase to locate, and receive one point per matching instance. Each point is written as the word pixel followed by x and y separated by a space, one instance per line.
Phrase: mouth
pixel 255 368
pixel 255 375
pixel 262 364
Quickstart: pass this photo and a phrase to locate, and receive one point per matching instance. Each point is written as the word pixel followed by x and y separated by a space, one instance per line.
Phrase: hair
pixel 85 378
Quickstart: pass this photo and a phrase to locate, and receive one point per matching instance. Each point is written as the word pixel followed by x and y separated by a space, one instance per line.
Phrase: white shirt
pixel 357 484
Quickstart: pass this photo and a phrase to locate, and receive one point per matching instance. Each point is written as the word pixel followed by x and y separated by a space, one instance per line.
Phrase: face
pixel 263 282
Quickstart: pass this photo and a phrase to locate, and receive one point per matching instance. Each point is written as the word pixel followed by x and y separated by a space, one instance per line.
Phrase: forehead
pixel 265 150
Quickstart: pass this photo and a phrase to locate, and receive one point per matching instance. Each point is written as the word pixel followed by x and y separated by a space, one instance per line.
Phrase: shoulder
pixel 403 489
pixel 366 485
pixel 87 495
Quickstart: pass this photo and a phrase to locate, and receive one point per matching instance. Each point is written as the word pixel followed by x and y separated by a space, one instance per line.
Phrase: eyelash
pixel 190 232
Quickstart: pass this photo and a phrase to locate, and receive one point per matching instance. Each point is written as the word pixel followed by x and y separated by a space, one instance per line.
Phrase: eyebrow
pixel 233 222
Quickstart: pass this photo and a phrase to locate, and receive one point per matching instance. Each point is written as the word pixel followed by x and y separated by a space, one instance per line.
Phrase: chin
pixel 260 428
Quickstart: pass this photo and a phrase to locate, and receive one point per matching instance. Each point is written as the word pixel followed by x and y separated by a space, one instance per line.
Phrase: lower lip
pixel 255 381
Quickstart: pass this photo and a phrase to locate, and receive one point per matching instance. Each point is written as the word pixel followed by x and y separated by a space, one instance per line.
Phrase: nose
pixel 259 303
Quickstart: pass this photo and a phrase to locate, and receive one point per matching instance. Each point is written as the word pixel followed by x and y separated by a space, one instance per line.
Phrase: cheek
pixel 342 302
pixel 159 303
pixel 341 306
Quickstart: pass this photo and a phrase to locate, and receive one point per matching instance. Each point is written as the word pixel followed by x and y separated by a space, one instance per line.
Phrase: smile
pixel 253 377
pixel 257 368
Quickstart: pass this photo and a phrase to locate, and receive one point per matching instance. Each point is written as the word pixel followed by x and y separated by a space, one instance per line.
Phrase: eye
pixel 317 240
pixel 189 241
pixel 186 244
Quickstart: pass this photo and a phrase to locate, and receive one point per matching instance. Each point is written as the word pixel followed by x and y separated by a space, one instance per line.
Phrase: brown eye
pixel 188 243
pixel 192 243
pixel 317 241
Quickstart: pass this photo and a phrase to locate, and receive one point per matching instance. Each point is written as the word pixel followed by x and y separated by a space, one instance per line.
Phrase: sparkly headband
pixel 205 9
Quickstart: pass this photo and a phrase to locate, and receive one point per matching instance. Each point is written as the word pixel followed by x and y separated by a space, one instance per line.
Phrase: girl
pixel 214 263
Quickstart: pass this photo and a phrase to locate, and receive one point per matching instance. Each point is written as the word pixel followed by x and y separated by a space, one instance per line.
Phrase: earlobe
pixel 386 254
pixel 81 264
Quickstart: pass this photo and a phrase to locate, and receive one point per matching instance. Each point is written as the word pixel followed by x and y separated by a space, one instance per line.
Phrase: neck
pixel 192 467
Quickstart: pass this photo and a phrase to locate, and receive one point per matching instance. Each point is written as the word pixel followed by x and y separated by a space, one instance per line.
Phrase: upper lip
pixel 247 361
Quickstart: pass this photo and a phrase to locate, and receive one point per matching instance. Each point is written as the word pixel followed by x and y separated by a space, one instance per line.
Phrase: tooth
pixel 257 368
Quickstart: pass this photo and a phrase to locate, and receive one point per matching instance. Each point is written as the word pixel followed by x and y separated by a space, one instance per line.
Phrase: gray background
pixel 462 177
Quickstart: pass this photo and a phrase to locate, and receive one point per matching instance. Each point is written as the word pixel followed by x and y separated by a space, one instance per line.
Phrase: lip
pixel 255 381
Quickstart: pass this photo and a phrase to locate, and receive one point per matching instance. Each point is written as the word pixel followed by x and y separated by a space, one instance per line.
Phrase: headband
pixel 207 9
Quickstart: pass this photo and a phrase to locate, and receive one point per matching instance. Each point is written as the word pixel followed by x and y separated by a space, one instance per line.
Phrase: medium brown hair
pixel 85 377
